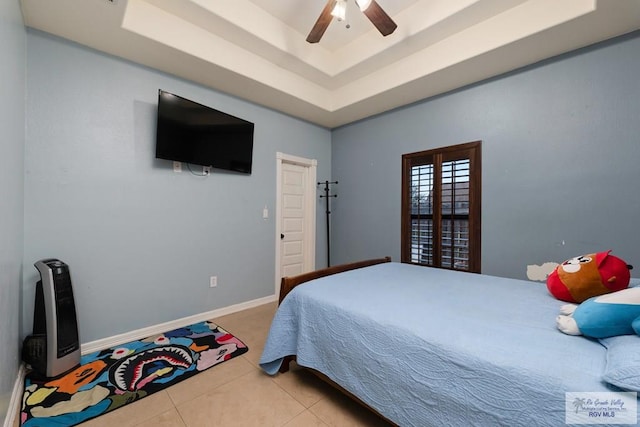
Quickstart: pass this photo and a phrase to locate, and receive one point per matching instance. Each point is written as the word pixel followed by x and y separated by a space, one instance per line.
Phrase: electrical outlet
pixel 177 167
pixel 213 281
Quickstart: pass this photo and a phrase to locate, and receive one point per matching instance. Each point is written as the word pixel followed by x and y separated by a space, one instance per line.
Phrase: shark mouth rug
pixel 108 379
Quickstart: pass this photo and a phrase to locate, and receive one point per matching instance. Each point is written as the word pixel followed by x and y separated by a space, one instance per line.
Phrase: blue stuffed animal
pixel 608 315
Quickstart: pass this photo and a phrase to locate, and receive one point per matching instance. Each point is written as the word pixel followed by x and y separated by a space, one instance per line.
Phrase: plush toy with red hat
pixel 586 276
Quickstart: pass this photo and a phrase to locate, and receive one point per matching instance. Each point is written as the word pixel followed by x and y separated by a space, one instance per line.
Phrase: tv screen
pixel 193 133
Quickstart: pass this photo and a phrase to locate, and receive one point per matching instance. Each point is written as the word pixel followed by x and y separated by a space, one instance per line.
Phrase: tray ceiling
pixel 256 49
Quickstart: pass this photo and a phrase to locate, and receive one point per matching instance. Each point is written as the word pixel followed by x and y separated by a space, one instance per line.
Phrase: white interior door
pixel 292 232
pixel 295 217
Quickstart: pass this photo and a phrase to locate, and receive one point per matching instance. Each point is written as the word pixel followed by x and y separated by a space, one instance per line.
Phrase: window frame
pixel 436 157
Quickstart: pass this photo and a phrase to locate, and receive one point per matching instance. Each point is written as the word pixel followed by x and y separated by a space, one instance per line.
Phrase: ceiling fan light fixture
pixel 337 8
pixel 340 10
pixel 363 4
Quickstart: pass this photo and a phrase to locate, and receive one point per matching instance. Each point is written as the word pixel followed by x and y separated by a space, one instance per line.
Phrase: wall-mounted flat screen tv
pixel 193 133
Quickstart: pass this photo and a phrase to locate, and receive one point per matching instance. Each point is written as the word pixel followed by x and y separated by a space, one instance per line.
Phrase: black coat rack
pixel 326 195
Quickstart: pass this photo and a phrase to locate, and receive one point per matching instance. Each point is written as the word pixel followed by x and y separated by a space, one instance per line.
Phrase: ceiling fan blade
pixel 322 23
pixel 380 19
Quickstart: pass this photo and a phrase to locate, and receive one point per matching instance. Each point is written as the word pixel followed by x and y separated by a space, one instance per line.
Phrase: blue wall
pixel 12 88
pixel 560 153
pixel 141 241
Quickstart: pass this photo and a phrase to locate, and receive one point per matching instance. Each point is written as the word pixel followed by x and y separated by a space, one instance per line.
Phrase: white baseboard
pixel 116 340
pixel 16 398
pixel 18 388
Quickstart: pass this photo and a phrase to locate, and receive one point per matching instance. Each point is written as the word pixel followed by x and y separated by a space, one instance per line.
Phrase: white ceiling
pixel 256 49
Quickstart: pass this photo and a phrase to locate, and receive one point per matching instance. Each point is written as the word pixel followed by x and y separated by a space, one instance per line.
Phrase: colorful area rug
pixel 109 379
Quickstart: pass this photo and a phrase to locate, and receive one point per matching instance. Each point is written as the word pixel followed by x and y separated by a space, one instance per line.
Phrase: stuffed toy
pixel 604 316
pixel 586 276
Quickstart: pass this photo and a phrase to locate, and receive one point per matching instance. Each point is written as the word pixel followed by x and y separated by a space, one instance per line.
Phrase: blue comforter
pixel 431 347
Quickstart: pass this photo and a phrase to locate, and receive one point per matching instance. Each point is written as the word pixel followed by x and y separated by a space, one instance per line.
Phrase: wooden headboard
pixel 288 283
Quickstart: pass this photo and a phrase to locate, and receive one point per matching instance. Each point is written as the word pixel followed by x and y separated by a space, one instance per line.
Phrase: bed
pixel 432 347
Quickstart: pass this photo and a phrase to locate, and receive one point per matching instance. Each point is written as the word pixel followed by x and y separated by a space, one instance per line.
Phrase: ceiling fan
pixel 370 8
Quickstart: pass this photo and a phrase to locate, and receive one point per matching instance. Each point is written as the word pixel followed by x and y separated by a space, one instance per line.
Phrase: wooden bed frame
pixel 288 283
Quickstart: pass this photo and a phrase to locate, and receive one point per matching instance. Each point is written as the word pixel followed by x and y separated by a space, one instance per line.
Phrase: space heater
pixel 54 346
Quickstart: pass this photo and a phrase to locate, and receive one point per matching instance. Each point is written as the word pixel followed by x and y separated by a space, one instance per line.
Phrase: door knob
pixel 281 236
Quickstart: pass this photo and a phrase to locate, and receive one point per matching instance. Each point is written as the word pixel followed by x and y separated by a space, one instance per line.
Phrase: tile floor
pixel 238 393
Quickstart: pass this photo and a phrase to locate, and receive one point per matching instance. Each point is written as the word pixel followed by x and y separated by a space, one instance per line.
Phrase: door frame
pixel 309 249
